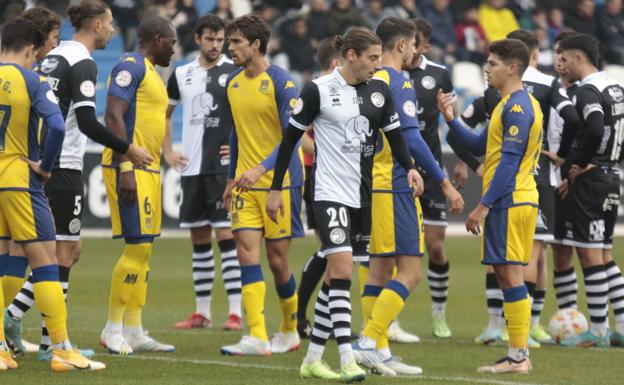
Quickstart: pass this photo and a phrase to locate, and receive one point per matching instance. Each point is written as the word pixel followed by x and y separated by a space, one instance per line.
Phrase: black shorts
pixel 545 226
pixel 591 208
pixel 65 191
pixel 202 201
pixel 307 197
pixel 343 228
pixel 560 217
pixel 433 203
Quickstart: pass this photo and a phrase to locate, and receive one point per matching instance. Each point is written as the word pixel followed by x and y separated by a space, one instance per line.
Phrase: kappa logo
pixel 407 85
pixel 130 59
pixel 517 108
pixel 289 84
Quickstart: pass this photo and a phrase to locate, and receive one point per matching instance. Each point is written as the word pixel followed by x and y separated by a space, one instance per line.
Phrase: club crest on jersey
pixel 517 108
pixel 74 226
pixel 222 80
pixel 49 64
pixel 334 89
pixel 378 99
pixel 264 87
pixel 616 94
pixel 428 82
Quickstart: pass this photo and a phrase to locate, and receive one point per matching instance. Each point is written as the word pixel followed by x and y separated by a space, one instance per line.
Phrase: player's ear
pixel 197 39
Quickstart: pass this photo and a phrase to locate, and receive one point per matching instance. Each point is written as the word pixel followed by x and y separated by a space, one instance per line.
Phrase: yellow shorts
pixel 139 219
pixel 25 216
pixel 397 227
pixel 248 211
pixel 508 235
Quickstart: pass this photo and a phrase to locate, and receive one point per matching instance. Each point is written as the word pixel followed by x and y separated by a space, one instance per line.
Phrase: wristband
pixel 126 166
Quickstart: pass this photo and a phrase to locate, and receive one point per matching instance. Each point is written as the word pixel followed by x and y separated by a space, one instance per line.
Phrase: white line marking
pixel 293 369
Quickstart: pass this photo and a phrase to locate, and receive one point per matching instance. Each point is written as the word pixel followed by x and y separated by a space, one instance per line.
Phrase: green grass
pixel 197 360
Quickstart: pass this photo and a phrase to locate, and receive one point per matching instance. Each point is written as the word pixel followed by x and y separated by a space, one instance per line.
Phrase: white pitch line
pixel 293 369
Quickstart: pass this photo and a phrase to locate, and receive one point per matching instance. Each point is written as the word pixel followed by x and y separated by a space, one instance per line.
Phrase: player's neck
pixel 208 64
pixel 586 71
pixel 86 40
pixel 13 58
pixel 392 59
pixel 510 87
pixel 347 74
pixel 256 66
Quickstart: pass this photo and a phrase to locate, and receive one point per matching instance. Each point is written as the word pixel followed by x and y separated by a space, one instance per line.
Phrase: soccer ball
pixel 567 323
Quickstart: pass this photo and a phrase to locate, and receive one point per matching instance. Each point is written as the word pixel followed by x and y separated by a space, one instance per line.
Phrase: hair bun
pixel 338 41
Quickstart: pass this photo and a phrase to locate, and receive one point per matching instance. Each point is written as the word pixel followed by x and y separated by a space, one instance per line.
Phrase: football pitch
pixel 197 360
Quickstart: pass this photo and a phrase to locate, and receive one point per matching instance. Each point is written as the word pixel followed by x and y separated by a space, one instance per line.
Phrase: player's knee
pixel 435 249
pixel 201 235
pixel 280 268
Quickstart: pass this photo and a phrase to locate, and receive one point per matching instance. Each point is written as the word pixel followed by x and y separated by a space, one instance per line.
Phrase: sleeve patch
pixel 409 108
pixel 378 99
pixel 123 78
pixel 589 108
pixel 298 106
pixel 87 88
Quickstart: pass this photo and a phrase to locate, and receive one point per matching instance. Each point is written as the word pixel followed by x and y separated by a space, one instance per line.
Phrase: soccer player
pixel 72 75
pixel 200 87
pixel 48 25
pixel 25 216
pixel 593 187
pixel 136 109
pixel 328 57
pixel 511 145
pixel 427 78
pixel 397 228
pixel 347 110
pixel 258 128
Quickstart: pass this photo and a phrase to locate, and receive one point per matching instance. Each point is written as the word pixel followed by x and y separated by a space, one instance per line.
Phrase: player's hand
pixel 415 182
pixel 139 156
pixel 453 196
pixel 554 158
pixel 249 178
pixel 36 167
pixel 576 171
pixel 460 175
pixel 479 171
pixel 563 189
pixel 127 186
pixel 224 151
pixel 445 105
pixel 476 218
pixel 175 159
pixel 227 194
pixel 275 204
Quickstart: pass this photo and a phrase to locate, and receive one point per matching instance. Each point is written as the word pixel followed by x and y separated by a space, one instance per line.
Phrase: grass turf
pixel 197 360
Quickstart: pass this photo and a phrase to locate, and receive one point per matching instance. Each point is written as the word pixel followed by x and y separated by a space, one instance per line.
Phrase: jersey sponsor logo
pixel 407 85
pixel 517 108
pixel 51 97
pixel 616 94
pixel 222 80
pixel 298 106
pixel 357 129
pixel 264 87
pixel 289 84
pixel 378 99
pixel 428 82
pixel 49 64
pixel 409 108
pixel 123 78
pixel 596 230
pixel 337 236
pixel 87 88
pixel 74 226
pixel 203 104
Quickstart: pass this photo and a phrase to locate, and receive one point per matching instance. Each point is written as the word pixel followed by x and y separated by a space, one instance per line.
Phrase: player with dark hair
pixel 508 207
pixel 136 107
pixel 200 87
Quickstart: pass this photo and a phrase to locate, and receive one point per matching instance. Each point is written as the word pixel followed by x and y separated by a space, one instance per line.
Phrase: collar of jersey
pixel 592 76
pixel 423 62
pixel 339 77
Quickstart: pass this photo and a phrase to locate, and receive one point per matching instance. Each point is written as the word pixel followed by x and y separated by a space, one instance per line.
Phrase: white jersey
pixel 72 75
pixel 206 122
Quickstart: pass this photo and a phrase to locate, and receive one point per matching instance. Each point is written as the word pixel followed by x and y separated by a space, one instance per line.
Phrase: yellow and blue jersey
pixel 135 80
pixel 260 108
pixel 515 128
pixel 24 98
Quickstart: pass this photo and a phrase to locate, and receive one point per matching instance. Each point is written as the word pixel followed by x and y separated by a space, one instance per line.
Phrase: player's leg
pixel 438 278
pixel 494 300
pixel 530 277
pixel 539 332
pixel 15 272
pixel 203 277
pixel 6 359
pixel 18 299
pixel 231 273
pixel 616 296
pixel 565 282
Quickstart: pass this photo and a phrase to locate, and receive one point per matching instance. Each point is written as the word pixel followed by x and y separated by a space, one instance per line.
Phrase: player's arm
pixel 173 158
pixel 474 143
pixel 565 109
pixel 589 106
pixel 307 143
pixel 83 80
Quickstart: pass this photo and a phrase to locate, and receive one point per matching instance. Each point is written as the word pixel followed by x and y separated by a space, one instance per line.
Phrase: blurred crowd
pixel 462 29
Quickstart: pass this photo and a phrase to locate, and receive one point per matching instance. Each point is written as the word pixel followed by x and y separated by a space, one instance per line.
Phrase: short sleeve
pixel 517 120
pixel 286 96
pixel 390 118
pixel 558 96
pixel 173 91
pixel 307 107
pixel 43 99
pixel 125 79
pixel 83 79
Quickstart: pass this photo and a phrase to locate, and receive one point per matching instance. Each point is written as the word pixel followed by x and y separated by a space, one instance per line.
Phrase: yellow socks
pixel 362 277
pixel 253 292
pixel 369 295
pixel 387 308
pixel 517 308
pixel 126 278
pixel 136 303
pixel 50 301
pixel 288 304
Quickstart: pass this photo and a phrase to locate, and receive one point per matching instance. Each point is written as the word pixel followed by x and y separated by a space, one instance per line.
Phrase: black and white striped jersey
pixel 72 75
pixel 206 121
pixel 600 93
pixel 346 121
